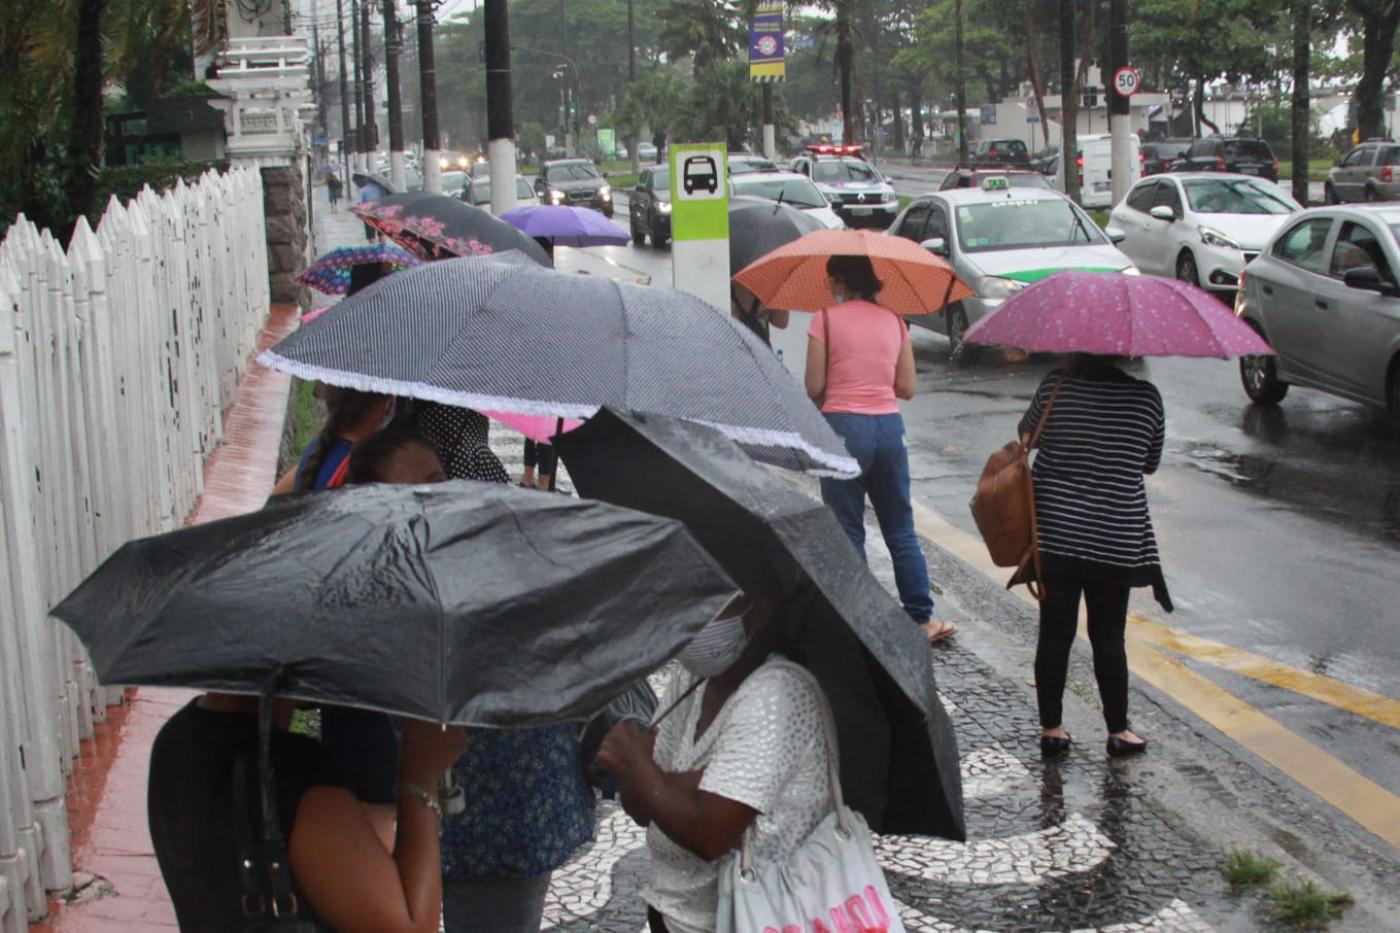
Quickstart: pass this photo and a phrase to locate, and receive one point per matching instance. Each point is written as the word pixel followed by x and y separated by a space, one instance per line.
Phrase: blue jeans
pixel 877 443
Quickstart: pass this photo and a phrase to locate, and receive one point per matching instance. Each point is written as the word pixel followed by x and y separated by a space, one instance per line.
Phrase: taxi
pixel 999 239
pixel 854 188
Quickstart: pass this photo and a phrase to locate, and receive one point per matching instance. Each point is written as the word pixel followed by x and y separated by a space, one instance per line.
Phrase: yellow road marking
pixel 1367 803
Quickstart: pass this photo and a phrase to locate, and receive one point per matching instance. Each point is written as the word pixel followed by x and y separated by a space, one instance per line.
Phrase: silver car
pixel 1370 172
pixel 1324 293
pixel 999 240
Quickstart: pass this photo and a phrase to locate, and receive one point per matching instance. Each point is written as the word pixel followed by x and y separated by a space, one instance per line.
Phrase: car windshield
pixel 742 165
pixel 799 192
pixel 1255 149
pixel 572 171
pixel 1017 224
pixel 481 191
pixel 839 170
pixel 453 180
pixel 1006 146
pixel 661 182
pixel 1221 196
pixel 1167 150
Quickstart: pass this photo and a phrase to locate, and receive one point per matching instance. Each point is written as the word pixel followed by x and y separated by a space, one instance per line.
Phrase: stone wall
pixel 288 236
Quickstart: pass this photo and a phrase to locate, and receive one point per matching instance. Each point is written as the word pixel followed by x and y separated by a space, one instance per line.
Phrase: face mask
pixel 718 645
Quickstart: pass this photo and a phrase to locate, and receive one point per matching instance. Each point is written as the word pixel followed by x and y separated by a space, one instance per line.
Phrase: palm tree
pixel 709 30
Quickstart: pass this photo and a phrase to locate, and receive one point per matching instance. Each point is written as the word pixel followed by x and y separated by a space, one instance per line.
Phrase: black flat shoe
pixel 1121 748
pixel 1053 746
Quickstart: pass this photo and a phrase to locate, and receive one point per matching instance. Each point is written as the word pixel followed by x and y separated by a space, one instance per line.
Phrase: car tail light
pixel 1079 161
pixel 1219 164
pixel 1142 158
pixel 1166 163
pixel 1386 173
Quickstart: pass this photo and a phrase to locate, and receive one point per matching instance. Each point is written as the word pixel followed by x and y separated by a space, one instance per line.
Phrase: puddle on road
pixel 1235 468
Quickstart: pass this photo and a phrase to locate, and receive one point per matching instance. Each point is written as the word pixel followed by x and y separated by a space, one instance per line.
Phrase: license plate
pixel 861 211
pixel 1103 186
pixel 1249 169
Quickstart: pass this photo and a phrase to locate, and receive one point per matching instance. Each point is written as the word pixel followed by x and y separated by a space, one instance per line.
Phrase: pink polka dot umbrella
pixel 1117 315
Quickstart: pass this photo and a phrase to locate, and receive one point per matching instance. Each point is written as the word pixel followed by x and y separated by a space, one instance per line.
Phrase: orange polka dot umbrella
pixel 793 277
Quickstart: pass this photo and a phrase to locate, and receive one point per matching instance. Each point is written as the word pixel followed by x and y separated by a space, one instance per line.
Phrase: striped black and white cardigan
pixel 1104 434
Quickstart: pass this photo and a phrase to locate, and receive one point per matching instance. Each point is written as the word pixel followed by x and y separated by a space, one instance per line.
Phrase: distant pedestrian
pixel 857 373
pixel 1104 433
pixel 334 188
pixel 370 192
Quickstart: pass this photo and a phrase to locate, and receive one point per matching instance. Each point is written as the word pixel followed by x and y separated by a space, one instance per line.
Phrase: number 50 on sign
pixel 1126 82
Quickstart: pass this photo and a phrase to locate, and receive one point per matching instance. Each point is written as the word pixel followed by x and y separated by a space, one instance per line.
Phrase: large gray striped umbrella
pixel 509 336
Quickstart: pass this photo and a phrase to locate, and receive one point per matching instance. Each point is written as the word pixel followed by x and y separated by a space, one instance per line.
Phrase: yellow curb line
pixel 1367 803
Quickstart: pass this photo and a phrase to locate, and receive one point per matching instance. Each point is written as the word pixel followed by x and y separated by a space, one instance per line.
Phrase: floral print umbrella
pixel 434 226
pixel 330 274
pixel 1117 315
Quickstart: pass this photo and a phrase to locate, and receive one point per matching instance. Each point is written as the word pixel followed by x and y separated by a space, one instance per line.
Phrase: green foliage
pixel 709 30
pixel 1272 121
pixel 1245 869
pixel 126 181
pixel 1302 905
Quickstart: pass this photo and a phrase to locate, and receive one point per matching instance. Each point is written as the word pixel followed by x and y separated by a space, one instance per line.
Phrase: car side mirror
pixel 1115 234
pixel 936 245
pixel 1368 278
pixel 1162 212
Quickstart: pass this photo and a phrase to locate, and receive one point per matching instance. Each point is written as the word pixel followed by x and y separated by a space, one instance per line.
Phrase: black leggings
pixel 655 922
pixel 544 455
pixel 1107 605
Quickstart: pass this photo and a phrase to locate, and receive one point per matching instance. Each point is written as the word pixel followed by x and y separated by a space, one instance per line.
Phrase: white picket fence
pixel 122 354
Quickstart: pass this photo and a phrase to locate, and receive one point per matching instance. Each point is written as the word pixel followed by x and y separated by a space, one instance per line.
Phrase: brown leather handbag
pixel 1004 506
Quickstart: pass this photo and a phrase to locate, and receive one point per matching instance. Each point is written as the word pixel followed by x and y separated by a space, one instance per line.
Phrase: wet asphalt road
pixel 1279 527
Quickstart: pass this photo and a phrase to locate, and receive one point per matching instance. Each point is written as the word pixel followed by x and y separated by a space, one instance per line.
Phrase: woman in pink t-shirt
pixel 857 373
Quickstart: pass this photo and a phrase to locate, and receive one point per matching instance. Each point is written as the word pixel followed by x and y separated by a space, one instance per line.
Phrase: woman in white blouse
pixel 742 752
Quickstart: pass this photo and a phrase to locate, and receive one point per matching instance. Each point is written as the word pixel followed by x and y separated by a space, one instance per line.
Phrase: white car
pixel 791 189
pixel 1202 227
pixel 999 239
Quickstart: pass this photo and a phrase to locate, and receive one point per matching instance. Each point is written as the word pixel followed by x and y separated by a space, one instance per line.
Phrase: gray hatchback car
pixel 1324 293
pixel 1370 172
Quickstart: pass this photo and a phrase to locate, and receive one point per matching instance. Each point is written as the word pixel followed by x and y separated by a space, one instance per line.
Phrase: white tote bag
pixel 832 882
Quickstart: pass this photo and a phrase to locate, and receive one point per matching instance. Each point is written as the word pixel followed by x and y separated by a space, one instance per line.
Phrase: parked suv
pixel 1370 172
pixel 1161 155
pixel 1001 152
pixel 575 182
pixel 1245 155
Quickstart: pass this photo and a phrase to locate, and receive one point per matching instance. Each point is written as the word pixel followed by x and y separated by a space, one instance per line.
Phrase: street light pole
pixel 371 127
pixel 344 93
pixel 1069 111
pixel 500 118
pixel 960 83
pixel 1119 107
pixel 391 75
pixel 427 84
pixel 359 87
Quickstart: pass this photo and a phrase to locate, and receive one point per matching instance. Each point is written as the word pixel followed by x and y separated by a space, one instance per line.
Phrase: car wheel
pixel 957 330
pixel 638 237
pixel 1371 193
pixel 1186 269
pixel 1329 194
pixel 1259 374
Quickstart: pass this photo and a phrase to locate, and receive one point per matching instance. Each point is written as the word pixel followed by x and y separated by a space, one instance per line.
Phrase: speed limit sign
pixel 1126 81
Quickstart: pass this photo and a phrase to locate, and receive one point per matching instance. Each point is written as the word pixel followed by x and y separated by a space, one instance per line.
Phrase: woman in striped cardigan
pixel 1103 435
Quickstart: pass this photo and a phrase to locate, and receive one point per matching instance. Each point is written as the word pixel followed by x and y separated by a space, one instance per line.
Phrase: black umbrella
pixel 899 755
pixel 362 179
pixel 757 226
pixel 452 225
pixel 462 602
pixel 509 337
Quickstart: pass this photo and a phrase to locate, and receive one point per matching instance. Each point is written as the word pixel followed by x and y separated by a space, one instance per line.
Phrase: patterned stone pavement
pixel 1069 845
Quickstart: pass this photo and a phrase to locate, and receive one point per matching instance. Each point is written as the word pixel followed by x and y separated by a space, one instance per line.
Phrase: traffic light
pixel 1091 97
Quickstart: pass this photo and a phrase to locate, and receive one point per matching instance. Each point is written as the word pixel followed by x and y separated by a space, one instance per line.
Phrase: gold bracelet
pixel 422 796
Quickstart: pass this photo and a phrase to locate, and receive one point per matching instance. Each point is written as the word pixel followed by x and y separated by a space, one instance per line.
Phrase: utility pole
pixel 960 82
pixel 345 133
pixel 1302 103
pixel 770 135
pixel 391 75
pixel 1119 107
pixel 427 84
pixel 371 127
pixel 359 87
pixel 570 105
pixel 1069 142
pixel 500 119
pixel 635 142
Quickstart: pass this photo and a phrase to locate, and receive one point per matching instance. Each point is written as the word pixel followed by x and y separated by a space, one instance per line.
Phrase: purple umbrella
pixel 566 226
pixel 1117 315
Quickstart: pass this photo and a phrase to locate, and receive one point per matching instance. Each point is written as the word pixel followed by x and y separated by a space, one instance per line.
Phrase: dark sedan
pixel 575 182
pixel 649 207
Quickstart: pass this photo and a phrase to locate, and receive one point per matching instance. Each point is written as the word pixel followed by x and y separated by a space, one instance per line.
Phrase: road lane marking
pixel 1365 802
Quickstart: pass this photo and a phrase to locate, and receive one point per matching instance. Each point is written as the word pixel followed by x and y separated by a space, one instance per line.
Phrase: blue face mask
pixel 719 645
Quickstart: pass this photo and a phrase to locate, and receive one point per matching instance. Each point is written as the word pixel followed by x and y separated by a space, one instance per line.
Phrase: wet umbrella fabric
pixel 513 338
pixel 452 225
pixel 1117 315
pixel 361 179
pixel 330 275
pixel 899 754
pixel 794 276
pixel 460 602
pixel 566 226
pixel 757 226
